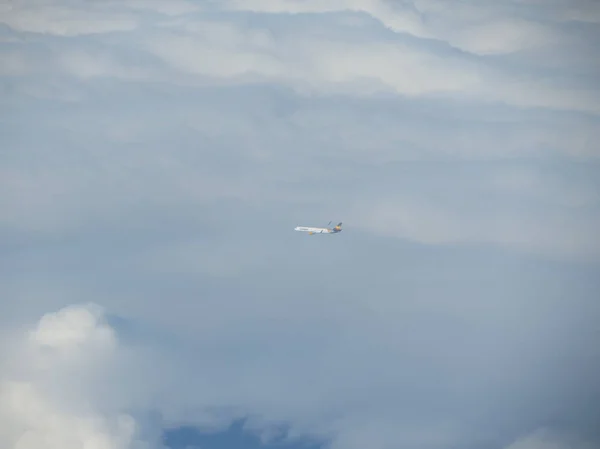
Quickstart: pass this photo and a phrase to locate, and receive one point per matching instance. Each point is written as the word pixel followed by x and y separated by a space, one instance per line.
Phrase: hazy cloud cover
pixel 156 157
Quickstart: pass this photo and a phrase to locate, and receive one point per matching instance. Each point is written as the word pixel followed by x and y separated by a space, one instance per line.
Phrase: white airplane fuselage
pixel 312 230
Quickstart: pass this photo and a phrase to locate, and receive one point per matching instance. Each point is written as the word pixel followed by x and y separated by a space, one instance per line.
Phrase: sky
pixel 156 157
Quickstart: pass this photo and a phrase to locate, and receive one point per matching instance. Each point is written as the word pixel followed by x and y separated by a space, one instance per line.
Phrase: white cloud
pixel 85 65
pixel 517 221
pixel 158 155
pixel 71 383
pixel 30 422
pixel 503 36
pixel 47 394
pixel 73 330
pixel 434 224
pixel 476 27
pixel 199 45
pixel 400 17
pixel 64 20
pixel 222 50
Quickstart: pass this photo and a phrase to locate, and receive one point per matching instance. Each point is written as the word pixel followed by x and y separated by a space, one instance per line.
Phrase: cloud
pixel 545 439
pixel 64 19
pixel 360 68
pixel 47 394
pixel 523 182
pixel 404 18
pixel 504 36
pixel 511 226
pixel 193 43
pixel 72 381
pixel 34 422
pixel 157 156
pixel 479 28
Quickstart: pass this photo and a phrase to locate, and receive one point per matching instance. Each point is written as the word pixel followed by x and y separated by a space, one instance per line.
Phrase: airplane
pixel 326 230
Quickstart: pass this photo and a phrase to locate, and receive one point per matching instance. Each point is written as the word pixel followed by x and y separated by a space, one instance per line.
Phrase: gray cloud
pixel 157 157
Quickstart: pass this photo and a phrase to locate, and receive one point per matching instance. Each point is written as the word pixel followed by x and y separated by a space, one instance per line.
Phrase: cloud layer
pixel 157 156
pixel 73 383
pixel 49 395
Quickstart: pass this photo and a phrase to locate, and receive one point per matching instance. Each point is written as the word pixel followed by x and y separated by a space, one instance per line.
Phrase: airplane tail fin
pixel 339 226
